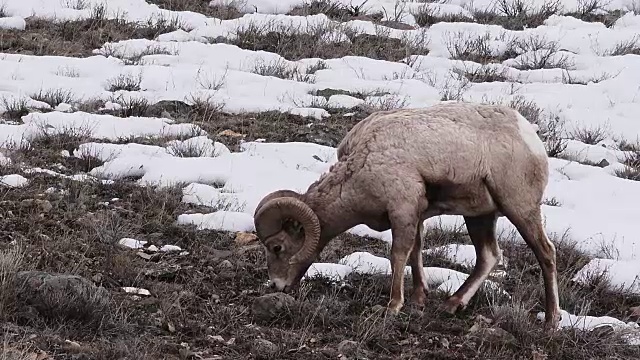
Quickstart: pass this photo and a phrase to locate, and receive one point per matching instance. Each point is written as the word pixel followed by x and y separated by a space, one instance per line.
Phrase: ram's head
pixel 290 232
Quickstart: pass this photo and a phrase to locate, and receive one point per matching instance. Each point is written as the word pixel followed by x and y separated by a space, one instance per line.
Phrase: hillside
pixel 137 138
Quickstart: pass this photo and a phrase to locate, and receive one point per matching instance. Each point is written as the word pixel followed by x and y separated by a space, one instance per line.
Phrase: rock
pixel 13 180
pixel 226 264
pixel 230 133
pixel 348 347
pixel 262 348
pixel 270 306
pixel 494 335
pixel 170 248
pixel 169 327
pixel 131 243
pixel 480 322
pixel 62 296
pixel 42 205
pixel 245 238
pixel 136 291
pixel 171 109
pixel 72 346
pixel 220 254
pixel 603 163
pixel 329 352
pixel 97 278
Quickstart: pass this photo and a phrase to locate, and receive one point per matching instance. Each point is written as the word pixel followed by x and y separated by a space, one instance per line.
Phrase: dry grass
pixel 11 261
pixel 537 52
pixel 292 43
pixel 591 135
pixel 224 12
pixel 594 11
pixel 336 11
pixel 632 168
pixel 518 14
pixel 79 38
pixel 426 16
pixel 15 109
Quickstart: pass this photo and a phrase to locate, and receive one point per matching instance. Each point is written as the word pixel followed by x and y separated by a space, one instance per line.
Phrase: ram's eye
pixel 277 249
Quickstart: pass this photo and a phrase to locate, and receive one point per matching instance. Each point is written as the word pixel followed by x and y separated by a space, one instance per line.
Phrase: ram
pixel 396 169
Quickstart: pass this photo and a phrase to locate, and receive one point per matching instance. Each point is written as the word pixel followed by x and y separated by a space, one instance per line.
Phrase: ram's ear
pixel 293 227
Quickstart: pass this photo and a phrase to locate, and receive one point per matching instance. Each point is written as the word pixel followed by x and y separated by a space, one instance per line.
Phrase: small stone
pixel 480 323
pixel 72 346
pixel 329 352
pixel 495 335
pixel 152 248
pixel 445 343
pixel 131 243
pixel 165 114
pixel 144 255
pixel 603 163
pixel 136 291
pixel 170 248
pixel 245 238
pixel 264 348
pixel 226 264
pixel 230 133
pixel 170 327
pixel 270 306
pixel 97 278
pixel 13 180
pixel 348 347
pixel 62 295
pixel 42 205
pixel 216 338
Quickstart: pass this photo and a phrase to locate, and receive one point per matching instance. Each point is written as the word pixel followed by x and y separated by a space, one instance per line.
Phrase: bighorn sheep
pixel 397 168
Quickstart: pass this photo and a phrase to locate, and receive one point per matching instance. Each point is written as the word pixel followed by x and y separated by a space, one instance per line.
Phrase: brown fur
pixel 397 168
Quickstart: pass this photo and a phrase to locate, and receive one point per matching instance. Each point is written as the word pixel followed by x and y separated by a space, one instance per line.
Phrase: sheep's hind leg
pixel 417 270
pixel 482 233
pixel 529 225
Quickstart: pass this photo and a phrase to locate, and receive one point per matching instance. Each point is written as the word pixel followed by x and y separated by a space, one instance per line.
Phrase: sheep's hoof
pixel 453 305
pixel 551 325
pixel 418 298
pixel 393 308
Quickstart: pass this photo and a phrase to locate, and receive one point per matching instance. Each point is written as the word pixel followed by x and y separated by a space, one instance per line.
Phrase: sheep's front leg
pixel 417 270
pixel 404 225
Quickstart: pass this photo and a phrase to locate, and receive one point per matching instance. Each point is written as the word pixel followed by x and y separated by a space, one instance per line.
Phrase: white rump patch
pixel 530 136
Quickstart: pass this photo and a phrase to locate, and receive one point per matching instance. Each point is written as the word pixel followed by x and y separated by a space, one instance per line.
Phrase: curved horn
pixel 270 215
pixel 274 195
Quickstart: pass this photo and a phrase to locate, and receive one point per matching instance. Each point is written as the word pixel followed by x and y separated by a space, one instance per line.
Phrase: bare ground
pixel 201 303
